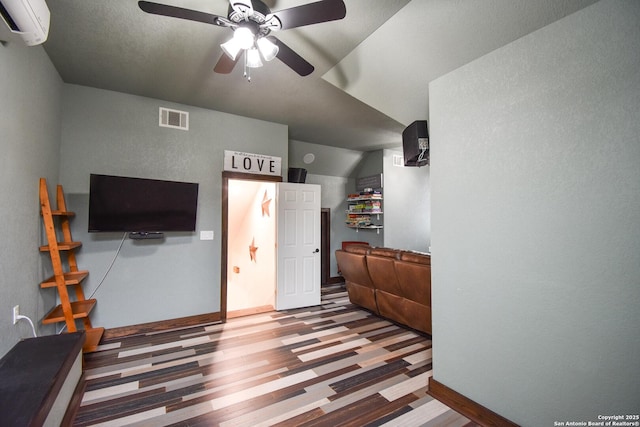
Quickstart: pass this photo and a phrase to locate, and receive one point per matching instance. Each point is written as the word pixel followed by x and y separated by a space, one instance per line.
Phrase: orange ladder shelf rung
pixel 62 213
pixel 80 309
pixel 62 246
pixel 70 278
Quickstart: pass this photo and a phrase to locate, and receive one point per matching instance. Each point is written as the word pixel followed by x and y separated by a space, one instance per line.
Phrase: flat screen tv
pixel 118 203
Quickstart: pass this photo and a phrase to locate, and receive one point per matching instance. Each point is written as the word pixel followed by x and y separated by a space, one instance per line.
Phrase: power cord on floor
pixel 20 316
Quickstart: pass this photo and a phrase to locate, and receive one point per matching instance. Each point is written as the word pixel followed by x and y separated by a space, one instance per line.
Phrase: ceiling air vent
pixel 398 160
pixel 174 119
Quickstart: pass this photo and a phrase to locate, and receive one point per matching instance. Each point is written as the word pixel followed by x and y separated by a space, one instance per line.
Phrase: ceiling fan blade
pixel 179 12
pixel 312 13
pixel 225 64
pixel 296 62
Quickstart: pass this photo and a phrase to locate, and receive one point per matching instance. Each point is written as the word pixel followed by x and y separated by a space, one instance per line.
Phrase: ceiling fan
pixel 252 23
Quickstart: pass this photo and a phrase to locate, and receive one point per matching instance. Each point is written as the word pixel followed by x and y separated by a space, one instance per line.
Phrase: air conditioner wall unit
pixel 28 18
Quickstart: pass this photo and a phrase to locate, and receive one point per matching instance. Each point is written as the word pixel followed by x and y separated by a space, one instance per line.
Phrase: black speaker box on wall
pixel 298 175
pixel 415 144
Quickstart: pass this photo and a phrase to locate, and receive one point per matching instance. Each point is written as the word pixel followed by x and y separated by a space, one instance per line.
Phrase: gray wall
pixel 113 133
pixel 535 213
pixel 407 205
pixel 30 94
pixel 328 161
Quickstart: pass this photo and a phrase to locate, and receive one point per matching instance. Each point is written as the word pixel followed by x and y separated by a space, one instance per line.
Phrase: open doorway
pixel 251 248
pixel 248 278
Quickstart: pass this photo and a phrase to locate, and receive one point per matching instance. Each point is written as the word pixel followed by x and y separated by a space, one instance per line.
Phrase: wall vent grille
pixel 398 160
pixel 174 119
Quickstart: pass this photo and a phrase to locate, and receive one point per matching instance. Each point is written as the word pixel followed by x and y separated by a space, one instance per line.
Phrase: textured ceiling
pixel 438 36
pixel 376 62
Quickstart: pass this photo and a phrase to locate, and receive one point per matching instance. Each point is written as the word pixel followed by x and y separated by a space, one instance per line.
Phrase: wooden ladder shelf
pixel 67 311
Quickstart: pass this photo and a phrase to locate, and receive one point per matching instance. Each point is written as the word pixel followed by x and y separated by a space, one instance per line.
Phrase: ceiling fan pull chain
pixel 247 72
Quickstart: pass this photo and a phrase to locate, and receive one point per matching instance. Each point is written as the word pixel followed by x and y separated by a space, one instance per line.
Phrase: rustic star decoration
pixel 265 204
pixel 252 250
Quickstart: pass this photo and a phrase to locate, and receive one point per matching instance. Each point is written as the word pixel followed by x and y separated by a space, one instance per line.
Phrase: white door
pixel 298 243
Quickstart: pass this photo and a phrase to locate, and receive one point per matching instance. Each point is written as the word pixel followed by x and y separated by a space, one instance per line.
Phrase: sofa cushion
pixel 353 267
pixel 388 252
pixel 383 274
pixel 417 257
pixel 357 249
pixel 346 243
pixel 414 281
pixel 402 310
pixel 363 296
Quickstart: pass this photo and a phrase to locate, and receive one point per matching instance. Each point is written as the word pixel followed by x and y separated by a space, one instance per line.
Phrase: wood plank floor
pixel 331 365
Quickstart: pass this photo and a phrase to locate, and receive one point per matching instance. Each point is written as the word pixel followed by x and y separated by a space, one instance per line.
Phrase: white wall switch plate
pixel 206 235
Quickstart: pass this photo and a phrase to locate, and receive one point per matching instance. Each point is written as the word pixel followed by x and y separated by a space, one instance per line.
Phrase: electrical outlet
pixel 16 313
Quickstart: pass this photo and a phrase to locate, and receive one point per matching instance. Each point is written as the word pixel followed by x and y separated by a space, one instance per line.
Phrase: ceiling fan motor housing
pixel 260 20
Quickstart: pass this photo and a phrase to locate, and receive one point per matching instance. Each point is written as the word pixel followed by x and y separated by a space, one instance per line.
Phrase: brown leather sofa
pixel 392 283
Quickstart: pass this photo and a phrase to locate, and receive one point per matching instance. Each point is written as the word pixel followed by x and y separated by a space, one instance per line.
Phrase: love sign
pixel 235 161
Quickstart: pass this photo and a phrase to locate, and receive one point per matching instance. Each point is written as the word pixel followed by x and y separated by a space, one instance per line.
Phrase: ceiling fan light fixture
pixel 244 37
pixel 231 48
pixel 267 48
pixel 252 20
pixel 253 58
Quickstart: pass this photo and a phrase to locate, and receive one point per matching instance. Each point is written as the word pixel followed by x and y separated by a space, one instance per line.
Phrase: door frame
pixel 325 245
pixel 224 241
pixel 325 263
